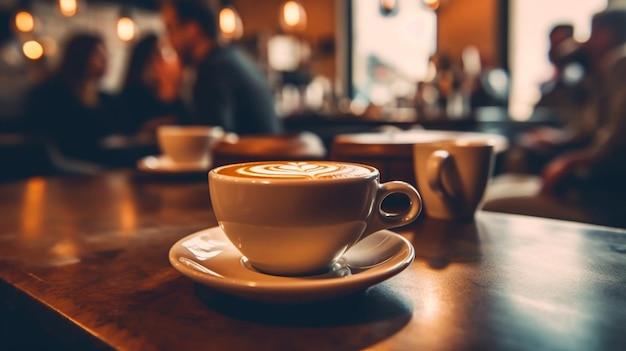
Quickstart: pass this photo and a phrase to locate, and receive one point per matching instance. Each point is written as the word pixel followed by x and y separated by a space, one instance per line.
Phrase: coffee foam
pixel 297 170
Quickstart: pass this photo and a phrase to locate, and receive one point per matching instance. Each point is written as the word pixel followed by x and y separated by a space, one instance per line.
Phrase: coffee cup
pixel 299 217
pixel 452 176
pixel 188 144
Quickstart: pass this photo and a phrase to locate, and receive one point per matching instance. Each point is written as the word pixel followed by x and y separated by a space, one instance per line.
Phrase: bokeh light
pixel 230 23
pixel 68 7
pixel 24 21
pixel 32 49
pixel 125 28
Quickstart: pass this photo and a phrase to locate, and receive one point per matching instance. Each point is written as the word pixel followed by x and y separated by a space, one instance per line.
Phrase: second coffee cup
pixel 452 176
pixel 188 144
pixel 299 218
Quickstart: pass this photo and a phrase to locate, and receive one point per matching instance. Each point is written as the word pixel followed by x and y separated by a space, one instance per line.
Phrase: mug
pixel 299 217
pixel 188 144
pixel 452 176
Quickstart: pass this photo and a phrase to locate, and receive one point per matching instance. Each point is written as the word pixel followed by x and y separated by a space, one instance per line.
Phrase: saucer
pixel 209 258
pixel 163 164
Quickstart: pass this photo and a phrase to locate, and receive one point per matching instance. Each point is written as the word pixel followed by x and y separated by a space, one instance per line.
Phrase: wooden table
pixel 83 265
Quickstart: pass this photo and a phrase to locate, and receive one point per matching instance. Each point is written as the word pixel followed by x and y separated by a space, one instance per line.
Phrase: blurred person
pixel 560 35
pixel 448 78
pixel 228 91
pixel 150 94
pixel 591 178
pixel 606 50
pixel 564 97
pixel 561 45
pixel 68 108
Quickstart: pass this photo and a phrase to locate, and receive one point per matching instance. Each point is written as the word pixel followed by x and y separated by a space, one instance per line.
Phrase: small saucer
pixel 163 164
pixel 209 258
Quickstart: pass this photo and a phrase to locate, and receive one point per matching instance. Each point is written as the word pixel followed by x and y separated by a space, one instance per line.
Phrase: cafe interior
pixel 505 116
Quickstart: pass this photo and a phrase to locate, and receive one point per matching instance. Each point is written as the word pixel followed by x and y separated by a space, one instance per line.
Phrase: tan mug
pixel 452 176
pixel 185 144
pixel 299 217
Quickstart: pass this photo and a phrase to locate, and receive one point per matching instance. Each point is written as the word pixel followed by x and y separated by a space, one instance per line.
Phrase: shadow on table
pixel 441 242
pixel 376 304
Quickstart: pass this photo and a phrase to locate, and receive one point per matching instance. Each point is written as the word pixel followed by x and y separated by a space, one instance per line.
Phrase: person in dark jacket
pixel 229 90
pixel 68 108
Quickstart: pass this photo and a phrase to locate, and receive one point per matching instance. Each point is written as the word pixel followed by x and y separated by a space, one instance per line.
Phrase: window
pixel 530 22
pixel 390 49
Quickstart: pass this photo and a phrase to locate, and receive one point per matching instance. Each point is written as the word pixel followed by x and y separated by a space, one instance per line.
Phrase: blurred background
pixel 391 61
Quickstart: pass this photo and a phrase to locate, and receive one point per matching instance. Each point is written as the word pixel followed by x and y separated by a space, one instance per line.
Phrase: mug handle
pixel 384 220
pixel 434 173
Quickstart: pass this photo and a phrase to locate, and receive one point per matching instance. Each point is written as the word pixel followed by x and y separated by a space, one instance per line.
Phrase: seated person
pixel 591 179
pixel 150 93
pixel 565 96
pixel 68 109
pixel 228 90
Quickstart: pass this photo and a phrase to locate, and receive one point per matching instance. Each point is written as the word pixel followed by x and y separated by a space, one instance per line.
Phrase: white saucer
pixel 209 258
pixel 163 164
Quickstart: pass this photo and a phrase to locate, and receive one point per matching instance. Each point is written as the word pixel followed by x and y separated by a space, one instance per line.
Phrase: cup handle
pixel 384 220
pixel 434 173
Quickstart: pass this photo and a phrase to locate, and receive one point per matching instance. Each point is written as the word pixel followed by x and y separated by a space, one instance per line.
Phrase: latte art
pixel 300 170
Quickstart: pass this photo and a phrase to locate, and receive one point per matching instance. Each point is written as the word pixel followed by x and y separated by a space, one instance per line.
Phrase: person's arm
pixel 563 167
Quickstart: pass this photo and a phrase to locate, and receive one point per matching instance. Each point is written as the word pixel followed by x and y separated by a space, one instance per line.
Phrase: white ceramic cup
pixel 298 218
pixel 452 176
pixel 188 144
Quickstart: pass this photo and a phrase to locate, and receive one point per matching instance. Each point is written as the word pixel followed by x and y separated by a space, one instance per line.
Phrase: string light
pixel 32 49
pixel 436 5
pixel 125 29
pixel 24 21
pixel 291 13
pixel 292 16
pixel 231 25
pixel 68 7
pixel 388 7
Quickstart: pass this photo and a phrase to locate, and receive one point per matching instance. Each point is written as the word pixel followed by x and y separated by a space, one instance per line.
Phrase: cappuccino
pixel 298 170
pixel 298 218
